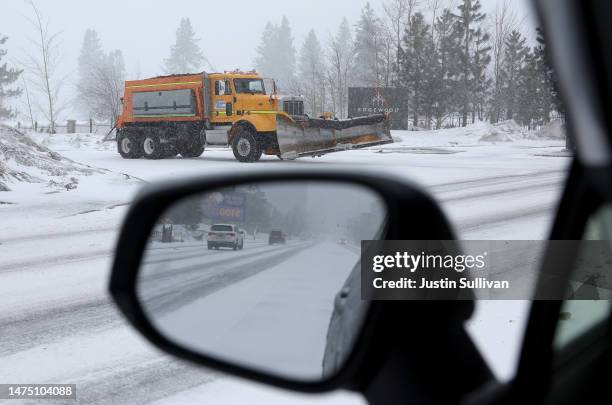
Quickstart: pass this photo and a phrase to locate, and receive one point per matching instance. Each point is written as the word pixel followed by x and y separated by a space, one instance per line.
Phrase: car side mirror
pixel 229 109
pixel 284 306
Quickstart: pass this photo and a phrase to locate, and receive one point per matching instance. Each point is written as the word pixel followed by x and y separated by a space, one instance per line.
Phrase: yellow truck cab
pixel 247 97
pixel 243 108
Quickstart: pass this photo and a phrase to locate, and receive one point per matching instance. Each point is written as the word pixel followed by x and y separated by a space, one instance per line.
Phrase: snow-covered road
pixel 58 326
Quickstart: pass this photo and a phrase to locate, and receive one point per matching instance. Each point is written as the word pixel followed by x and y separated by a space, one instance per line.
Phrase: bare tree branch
pixel 42 65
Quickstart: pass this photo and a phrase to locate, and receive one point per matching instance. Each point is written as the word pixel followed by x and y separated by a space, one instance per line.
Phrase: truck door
pixel 223 96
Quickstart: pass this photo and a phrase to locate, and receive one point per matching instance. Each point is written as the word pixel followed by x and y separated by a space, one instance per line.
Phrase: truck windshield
pixel 254 86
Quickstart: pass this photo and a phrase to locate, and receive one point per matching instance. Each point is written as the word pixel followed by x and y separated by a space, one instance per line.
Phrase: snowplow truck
pixel 183 114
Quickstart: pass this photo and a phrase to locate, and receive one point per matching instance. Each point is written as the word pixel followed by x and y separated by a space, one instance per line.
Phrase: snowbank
pixel 63 142
pixel 22 160
pixel 554 130
pixel 505 131
pixel 478 134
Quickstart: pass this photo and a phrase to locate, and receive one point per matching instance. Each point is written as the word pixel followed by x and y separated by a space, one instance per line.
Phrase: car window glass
pixel 579 316
pixel 487 141
pixel 221 228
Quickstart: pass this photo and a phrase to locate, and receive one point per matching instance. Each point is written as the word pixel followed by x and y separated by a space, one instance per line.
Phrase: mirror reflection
pixel 264 276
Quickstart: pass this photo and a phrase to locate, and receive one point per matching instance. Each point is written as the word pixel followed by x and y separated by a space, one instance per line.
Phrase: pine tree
pixel 368 49
pixel 445 67
pixel 416 68
pixel 515 55
pixel 186 56
pixel 340 59
pixel 276 55
pixel 189 212
pixel 469 25
pixel 265 61
pixel 101 79
pixel 312 74
pixel 551 97
pixel 8 76
pixel 90 59
pixel 481 82
pixel 286 53
pixel 529 110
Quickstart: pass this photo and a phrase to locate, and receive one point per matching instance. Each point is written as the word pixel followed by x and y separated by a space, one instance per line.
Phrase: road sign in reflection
pixel 224 206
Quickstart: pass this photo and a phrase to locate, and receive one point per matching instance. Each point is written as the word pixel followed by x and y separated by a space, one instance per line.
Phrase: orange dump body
pixel 139 94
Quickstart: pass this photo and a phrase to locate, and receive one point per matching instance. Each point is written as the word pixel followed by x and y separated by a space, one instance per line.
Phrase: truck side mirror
pixel 229 110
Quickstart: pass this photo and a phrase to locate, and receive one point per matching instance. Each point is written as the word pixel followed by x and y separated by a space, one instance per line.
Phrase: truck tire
pixel 245 147
pixel 127 146
pixel 193 149
pixel 152 148
pixel 170 152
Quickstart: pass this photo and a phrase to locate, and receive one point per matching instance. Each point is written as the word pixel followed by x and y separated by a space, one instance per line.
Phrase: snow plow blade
pixel 317 137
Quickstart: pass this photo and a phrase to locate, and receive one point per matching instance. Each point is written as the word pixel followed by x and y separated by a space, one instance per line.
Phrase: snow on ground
pixel 57 237
pixel 263 308
pixel 62 142
pixel 46 186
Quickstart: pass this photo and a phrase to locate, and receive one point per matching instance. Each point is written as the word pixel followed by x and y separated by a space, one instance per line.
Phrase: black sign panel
pixel 368 100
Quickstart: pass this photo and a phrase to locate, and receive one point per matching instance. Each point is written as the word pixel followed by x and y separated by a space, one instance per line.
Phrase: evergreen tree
pixel 368 49
pixel 312 74
pixel 531 93
pixel 416 65
pixel 265 61
pixel 286 53
pixel 276 55
pixel 341 61
pixel 469 25
pixel 186 56
pixel 551 98
pixel 481 82
pixel 515 55
pixel 445 69
pixel 8 76
pixel 90 59
pixel 101 78
pixel 188 212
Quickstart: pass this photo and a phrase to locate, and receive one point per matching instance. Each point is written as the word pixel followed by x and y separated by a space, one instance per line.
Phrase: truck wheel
pixel 245 147
pixel 128 147
pixel 152 147
pixel 193 149
pixel 170 152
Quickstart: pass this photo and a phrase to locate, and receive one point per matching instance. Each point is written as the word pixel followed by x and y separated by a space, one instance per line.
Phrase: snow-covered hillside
pixel 24 161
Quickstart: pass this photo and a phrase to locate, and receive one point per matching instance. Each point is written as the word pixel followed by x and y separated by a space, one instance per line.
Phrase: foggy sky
pixel 145 30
